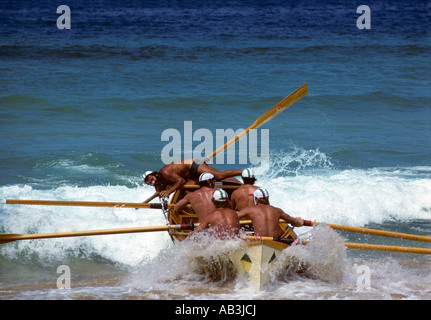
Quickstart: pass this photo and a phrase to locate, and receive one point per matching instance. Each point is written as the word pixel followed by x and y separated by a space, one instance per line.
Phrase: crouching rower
pixel 223 220
pixel 173 176
pixel 265 218
pixel 200 201
pixel 243 196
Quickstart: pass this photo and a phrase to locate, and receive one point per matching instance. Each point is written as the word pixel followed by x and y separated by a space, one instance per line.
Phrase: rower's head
pixel 221 199
pixel 150 177
pixel 248 176
pixel 261 196
pixel 206 179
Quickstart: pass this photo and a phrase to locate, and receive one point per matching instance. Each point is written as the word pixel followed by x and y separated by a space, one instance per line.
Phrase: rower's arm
pixel 233 203
pixel 202 225
pixel 296 222
pixel 181 204
pixel 178 184
pixel 243 213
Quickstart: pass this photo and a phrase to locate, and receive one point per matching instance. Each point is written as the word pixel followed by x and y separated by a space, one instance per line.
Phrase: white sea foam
pixel 351 197
pixel 305 183
pixel 126 249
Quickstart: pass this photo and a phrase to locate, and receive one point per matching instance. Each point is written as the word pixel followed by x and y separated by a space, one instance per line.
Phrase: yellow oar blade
pixel 281 106
pixel 270 114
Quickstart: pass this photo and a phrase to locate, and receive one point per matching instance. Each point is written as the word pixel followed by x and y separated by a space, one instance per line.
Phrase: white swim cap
pixel 260 193
pixel 147 173
pixel 247 173
pixel 206 176
pixel 220 195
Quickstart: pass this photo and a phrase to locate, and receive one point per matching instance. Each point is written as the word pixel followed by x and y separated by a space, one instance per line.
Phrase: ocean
pixel 83 110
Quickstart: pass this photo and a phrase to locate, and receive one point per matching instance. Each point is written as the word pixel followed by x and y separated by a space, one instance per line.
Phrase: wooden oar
pixel 85 203
pixel 278 239
pixel 9 237
pixel 350 245
pixel 373 232
pixel 270 114
pixel 379 247
pixel 136 205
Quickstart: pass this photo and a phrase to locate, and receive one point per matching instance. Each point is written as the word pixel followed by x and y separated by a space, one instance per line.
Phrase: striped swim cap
pixel 247 173
pixel 260 193
pixel 220 195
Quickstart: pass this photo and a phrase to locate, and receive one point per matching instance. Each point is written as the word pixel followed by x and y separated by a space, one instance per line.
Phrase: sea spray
pixel 350 197
pixel 322 257
pixel 126 249
pixel 202 257
pixel 306 183
pixel 294 162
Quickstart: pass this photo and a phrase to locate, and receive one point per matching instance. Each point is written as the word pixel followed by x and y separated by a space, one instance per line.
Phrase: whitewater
pixel 303 183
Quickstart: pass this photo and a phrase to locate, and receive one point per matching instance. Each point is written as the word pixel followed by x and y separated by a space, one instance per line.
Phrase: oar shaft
pixel 379 247
pixel 86 203
pixel 227 144
pixel 4 238
pixel 136 205
pixel 350 245
pixel 88 233
pixel 375 232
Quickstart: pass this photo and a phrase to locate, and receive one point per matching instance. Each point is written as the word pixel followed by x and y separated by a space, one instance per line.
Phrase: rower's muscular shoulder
pixel 174 170
pixel 243 190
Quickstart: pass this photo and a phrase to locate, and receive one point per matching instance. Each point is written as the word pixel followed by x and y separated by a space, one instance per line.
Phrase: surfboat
pixel 254 259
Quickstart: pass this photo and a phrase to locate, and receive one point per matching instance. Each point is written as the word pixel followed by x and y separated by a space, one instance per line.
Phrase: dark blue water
pixel 82 110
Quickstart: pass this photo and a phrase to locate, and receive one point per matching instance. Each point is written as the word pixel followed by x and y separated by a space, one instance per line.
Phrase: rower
pixel 223 220
pixel 243 196
pixel 200 200
pixel 173 176
pixel 265 218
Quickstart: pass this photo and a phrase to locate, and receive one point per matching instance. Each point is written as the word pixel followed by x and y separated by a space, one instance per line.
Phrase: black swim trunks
pixel 194 170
